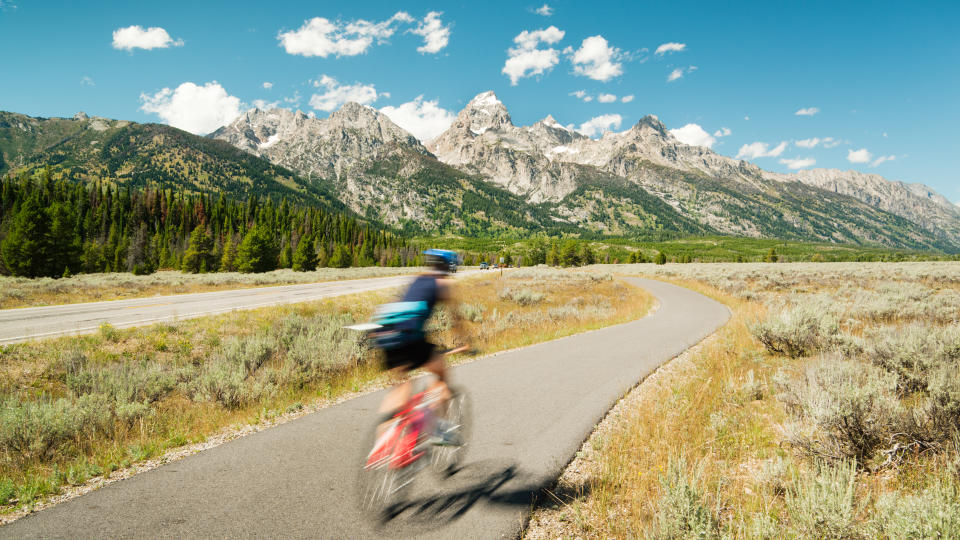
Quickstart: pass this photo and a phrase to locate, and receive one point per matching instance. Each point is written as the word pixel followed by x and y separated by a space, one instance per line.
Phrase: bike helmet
pixel 442 259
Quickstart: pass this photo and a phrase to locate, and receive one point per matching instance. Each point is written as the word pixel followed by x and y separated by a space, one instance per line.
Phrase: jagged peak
pixel 81 116
pixel 485 99
pixel 653 122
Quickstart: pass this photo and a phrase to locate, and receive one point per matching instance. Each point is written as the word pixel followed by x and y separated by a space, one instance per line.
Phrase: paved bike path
pixel 533 408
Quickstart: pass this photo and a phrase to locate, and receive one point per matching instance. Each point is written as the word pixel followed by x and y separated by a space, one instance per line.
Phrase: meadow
pixel 828 407
pixel 77 410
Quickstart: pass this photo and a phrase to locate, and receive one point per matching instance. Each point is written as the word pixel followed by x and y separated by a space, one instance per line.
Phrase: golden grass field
pixel 77 408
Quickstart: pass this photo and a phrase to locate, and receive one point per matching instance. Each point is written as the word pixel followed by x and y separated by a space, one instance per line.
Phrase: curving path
pixel 533 408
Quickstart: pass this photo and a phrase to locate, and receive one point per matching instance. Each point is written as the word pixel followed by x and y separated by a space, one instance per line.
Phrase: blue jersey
pixel 423 289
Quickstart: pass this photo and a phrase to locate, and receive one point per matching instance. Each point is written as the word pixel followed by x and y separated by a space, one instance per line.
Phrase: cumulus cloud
pixel 798 163
pixel 268 85
pixel 859 156
pixel 606 98
pixel 670 47
pixel 335 94
pixel 435 34
pixel 808 143
pixel 679 72
pixel 526 60
pixel 600 124
pixel 323 37
pixel 597 59
pixel 882 159
pixel 137 37
pixel 582 94
pixel 760 149
pixel 265 105
pixel 693 135
pixel 830 142
pixel 544 10
pixel 87 81
pixel 193 108
pixel 722 132
pixel 809 111
pixel 626 99
pixel 424 119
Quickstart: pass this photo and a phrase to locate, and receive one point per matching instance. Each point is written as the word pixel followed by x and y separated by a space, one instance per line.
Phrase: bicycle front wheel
pixel 447 459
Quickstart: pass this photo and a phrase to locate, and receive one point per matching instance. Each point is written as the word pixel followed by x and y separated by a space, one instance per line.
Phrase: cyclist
pixel 414 351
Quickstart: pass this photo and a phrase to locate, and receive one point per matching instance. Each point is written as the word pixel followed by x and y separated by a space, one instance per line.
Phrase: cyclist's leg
pixel 437 366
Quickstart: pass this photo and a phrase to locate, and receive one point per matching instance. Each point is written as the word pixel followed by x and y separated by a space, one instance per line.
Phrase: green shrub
pixel 822 505
pixel 8 490
pixel 933 513
pixel 223 381
pixel 681 510
pixel 37 428
pixel 524 296
pixel 250 352
pixel 125 383
pixel 798 331
pixel 471 312
pixel 913 352
pixel 844 409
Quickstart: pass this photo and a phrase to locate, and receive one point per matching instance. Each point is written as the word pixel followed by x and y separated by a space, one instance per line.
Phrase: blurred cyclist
pixel 404 341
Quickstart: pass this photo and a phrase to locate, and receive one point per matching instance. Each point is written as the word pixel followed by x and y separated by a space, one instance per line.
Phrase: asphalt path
pixel 533 408
pixel 21 324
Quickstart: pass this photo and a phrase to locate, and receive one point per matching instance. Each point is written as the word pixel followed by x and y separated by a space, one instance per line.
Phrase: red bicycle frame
pixel 397 447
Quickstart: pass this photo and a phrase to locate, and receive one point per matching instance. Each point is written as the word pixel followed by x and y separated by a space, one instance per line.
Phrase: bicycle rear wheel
pixel 447 459
pixel 379 485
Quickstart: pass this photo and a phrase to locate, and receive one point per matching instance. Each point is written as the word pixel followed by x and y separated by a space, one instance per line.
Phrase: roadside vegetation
pixel 828 407
pixel 25 292
pixel 76 408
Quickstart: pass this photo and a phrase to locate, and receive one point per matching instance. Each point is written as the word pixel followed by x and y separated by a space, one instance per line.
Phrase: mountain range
pixel 485 176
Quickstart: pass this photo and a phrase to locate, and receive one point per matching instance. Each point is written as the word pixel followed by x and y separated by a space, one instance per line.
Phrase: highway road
pixel 533 408
pixel 21 324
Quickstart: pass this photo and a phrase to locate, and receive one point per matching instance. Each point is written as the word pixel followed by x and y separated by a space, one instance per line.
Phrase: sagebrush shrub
pixel 798 331
pixel 932 513
pixel 35 429
pixel 681 509
pixel 822 505
pixel 844 409
pixel 913 352
pixel 524 296
pixel 471 312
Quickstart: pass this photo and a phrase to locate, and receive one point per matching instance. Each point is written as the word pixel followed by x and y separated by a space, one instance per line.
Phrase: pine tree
pixel 305 259
pixel 341 257
pixel 26 249
pixel 661 258
pixel 199 255
pixel 257 251
pixel 229 254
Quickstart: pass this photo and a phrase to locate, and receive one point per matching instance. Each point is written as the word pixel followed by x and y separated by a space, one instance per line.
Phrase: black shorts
pixel 410 356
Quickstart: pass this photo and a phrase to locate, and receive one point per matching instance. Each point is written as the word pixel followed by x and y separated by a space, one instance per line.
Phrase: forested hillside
pixel 54 227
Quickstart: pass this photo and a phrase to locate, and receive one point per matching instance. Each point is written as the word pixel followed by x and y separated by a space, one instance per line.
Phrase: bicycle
pixel 400 452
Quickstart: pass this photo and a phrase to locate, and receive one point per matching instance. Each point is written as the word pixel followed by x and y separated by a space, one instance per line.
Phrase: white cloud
pixel 670 47
pixel 87 81
pixel 722 132
pixel 807 143
pixel 268 85
pixel 526 60
pixel 336 94
pixel 859 156
pixel 747 118
pixel 809 111
pixel 830 142
pixel 882 159
pixel 626 99
pixel 693 135
pixel 760 149
pixel 544 10
pixel 435 34
pixel 675 74
pixel 193 108
pixel 600 124
pixel 582 94
pixel 136 37
pixel 606 98
pixel 323 37
pixel 597 59
pixel 265 105
pixel 424 119
pixel 798 163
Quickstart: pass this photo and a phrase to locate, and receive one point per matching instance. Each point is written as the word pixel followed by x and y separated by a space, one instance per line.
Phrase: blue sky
pixel 878 79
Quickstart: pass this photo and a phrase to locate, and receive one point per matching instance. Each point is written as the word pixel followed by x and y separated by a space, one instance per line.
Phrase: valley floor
pixel 827 407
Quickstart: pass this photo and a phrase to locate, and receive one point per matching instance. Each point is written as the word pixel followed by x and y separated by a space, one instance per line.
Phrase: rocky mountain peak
pixel 81 116
pixel 651 122
pixel 484 112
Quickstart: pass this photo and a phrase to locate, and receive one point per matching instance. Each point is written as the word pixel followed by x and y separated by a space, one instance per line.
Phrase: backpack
pixel 401 323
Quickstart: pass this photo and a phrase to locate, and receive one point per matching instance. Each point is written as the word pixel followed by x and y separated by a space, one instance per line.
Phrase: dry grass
pixel 26 292
pixel 160 387
pixel 828 407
